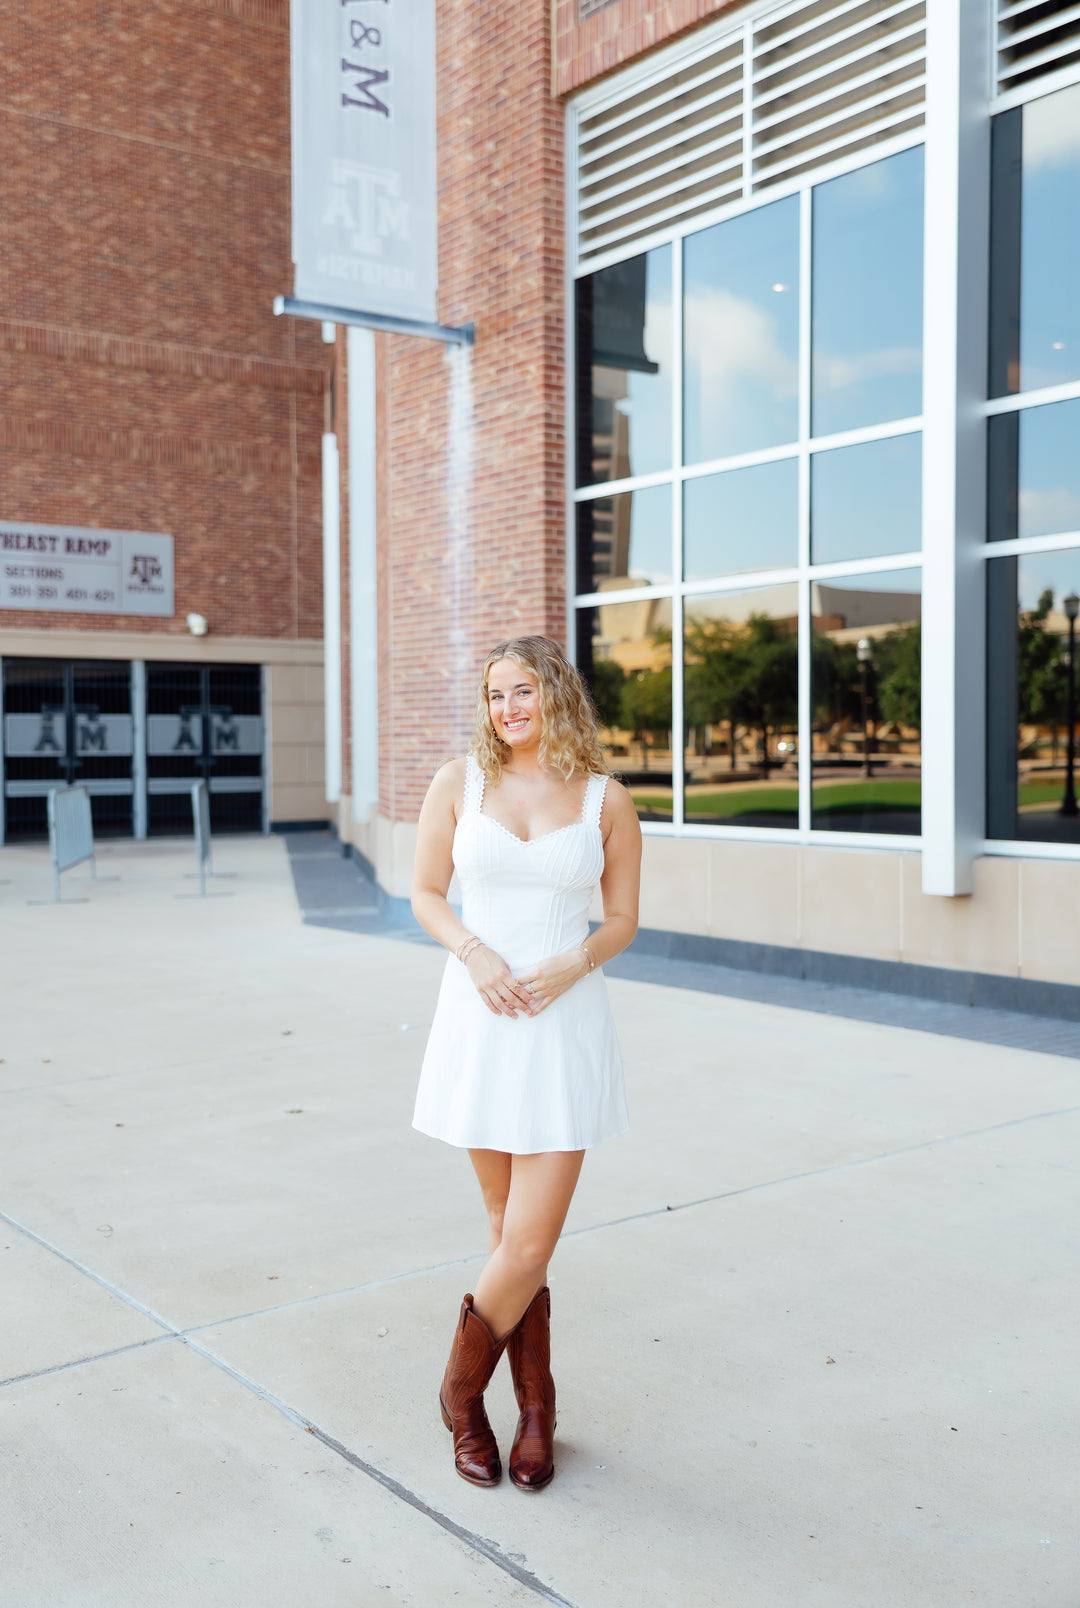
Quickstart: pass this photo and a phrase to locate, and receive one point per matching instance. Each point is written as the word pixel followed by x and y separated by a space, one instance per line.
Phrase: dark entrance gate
pixel 63 723
pixel 204 722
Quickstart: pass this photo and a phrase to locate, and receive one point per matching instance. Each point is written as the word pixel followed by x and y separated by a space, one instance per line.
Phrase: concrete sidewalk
pixel 814 1319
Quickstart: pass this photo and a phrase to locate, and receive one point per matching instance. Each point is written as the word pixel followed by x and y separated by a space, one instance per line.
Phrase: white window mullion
pixel 954 497
pixel 678 768
pixel 806 712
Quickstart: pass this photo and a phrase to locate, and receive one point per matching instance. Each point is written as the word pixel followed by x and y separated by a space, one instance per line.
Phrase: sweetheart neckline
pixel 527 843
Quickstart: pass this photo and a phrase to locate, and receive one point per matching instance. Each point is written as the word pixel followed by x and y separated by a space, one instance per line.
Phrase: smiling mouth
pixel 515 725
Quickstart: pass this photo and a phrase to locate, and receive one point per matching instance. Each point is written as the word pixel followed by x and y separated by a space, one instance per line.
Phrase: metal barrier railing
pixel 200 810
pixel 71 832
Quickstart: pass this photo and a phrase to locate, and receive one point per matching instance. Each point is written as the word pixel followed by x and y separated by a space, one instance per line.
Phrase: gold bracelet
pixel 466 947
pixel 587 952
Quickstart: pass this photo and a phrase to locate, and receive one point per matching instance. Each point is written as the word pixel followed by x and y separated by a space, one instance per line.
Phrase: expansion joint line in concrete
pixel 477 1543
pixel 826 1172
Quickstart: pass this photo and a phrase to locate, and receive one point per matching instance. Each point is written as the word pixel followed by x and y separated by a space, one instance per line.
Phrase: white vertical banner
pixel 363 155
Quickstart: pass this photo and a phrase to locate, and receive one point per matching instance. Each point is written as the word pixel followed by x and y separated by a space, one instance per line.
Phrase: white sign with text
pixel 75 570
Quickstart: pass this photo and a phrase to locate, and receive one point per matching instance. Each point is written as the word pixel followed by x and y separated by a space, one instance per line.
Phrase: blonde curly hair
pixel 569 741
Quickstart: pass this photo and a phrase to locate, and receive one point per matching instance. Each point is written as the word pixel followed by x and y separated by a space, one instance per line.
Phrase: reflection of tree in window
pixel 607 686
pixel 1042 676
pixel 645 703
pixel 743 674
pixel 894 684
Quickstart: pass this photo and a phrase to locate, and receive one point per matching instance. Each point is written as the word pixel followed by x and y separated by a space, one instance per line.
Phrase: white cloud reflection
pixel 833 372
pixel 1049 510
pixel 747 368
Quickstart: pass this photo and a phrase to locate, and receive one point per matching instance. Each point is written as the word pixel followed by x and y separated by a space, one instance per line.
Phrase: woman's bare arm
pixel 619 886
pixel 433 866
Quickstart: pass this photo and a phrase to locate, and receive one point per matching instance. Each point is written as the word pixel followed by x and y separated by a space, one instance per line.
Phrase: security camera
pixel 198 624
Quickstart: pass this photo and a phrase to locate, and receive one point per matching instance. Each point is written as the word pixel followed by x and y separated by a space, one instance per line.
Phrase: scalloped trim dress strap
pixel 474 787
pixel 594 800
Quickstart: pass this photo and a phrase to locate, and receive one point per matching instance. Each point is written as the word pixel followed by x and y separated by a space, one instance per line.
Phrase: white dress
pixel 525 1084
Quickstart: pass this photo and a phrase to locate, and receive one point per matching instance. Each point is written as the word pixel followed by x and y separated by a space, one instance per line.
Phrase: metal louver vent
pixel 666 152
pixel 1035 37
pixel 831 79
pixel 758 104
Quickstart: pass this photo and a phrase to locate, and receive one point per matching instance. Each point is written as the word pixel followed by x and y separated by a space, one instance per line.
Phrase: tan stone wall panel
pixel 1050 920
pixel 978 933
pixel 850 902
pixel 753 891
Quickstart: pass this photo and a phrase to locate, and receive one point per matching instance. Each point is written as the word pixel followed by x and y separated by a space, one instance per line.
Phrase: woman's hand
pixel 503 994
pixel 550 978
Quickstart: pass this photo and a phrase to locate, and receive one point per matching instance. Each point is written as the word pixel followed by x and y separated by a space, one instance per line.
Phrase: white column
pixel 331 501
pixel 954 453
pixel 363 607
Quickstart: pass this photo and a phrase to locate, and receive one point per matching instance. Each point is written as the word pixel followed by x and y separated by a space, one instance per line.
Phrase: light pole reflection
pixel 1071 605
pixel 863 652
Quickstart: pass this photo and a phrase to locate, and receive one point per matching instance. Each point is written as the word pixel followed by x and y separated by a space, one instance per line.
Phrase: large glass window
pixel 625 651
pixel 1033 468
pixel 741 334
pixel 1031 761
pixel 745 519
pixel 741 708
pixel 698 579
pixel 1035 267
pixel 867 299
pixel 624 369
pixel 866 500
pixel 867 703
pixel 625 540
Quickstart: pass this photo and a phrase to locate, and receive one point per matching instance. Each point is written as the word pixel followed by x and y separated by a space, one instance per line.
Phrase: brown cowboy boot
pixel 532 1463
pixel 473 1358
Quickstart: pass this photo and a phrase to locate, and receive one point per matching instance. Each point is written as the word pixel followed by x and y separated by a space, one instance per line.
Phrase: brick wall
pixel 613 35
pixel 144 232
pixel 466 558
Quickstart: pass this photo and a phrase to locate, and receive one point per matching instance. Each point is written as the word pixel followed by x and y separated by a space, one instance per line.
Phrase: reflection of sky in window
pixel 650 532
pixel 630 372
pixel 867 295
pixel 746 519
pixel 1050 469
pixel 625 540
pixel 866 501
pixel 648 403
pixel 1040 572
pixel 741 323
pixel 1050 241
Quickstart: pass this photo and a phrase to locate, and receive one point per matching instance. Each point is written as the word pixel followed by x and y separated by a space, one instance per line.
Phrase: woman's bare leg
pixel 541 1189
pixel 492 1169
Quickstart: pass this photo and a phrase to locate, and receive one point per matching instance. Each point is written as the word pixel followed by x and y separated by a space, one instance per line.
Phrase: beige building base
pixel 1023 919
pixel 294 695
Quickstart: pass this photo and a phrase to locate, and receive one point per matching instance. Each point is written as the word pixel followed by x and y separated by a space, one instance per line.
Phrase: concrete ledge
pixel 1025 994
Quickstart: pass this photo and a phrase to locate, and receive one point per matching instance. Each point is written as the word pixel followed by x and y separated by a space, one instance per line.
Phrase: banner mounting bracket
pixel 450 334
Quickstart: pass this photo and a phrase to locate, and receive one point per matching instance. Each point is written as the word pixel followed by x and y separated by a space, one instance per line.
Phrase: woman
pixel 522 1066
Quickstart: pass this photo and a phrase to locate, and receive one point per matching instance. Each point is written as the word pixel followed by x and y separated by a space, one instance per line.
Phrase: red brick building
pixel 738 275
pixel 772 415
pixel 147 387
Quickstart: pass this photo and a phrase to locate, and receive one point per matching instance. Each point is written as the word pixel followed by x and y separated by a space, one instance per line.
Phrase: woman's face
pixel 514 705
